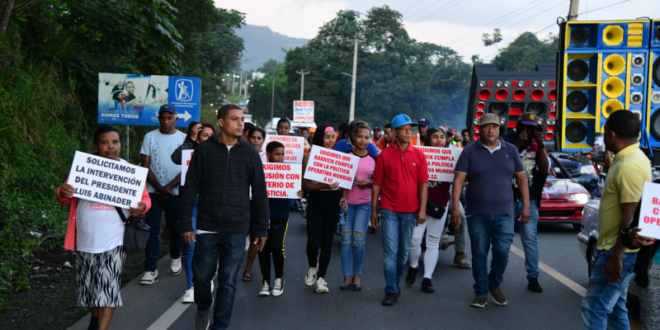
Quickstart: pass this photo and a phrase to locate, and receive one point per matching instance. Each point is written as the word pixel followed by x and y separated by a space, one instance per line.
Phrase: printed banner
pixel 283 180
pixel 329 166
pixel 441 162
pixel 294 146
pixel 303 110
pixel 130 99
pixel 106 181
pixel 186 156
pixel 649 212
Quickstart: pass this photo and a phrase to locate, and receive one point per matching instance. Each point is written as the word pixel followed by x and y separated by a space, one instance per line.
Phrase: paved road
pixel 159 307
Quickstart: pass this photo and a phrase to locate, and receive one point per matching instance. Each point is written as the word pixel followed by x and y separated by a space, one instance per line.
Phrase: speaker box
pixel 652 118
pixel 607 35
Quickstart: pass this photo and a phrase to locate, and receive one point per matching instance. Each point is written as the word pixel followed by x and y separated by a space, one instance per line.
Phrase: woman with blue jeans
pixel 357 203
pixel 200 135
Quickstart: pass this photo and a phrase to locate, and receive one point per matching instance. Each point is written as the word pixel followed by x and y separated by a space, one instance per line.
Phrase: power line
pixel 593 10
pixel 438 11
pixel 413 5
pixel 425 8
pixel 501 18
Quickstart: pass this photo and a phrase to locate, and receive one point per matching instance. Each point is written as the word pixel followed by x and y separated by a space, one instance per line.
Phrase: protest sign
pixel 133 99
pixel 441 162
pixel 186 156
pixel 293 147
pixel 303 111
pixel 649 212
pixel 283 180
pixel 103 180
pixel 329 166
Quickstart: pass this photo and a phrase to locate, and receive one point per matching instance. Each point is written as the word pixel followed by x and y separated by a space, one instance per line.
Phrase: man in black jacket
pixel 221 172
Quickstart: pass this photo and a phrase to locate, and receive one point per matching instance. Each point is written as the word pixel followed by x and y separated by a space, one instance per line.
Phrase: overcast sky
pixel 458 24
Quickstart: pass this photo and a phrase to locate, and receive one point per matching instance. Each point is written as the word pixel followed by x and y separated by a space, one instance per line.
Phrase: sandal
pixel 247 276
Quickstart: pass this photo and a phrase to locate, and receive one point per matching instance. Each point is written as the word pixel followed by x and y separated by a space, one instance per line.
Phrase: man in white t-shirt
pixel 162 183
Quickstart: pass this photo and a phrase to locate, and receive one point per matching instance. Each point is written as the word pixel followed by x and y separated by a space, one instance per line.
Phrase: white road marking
pixel 170 316
pixel 555 274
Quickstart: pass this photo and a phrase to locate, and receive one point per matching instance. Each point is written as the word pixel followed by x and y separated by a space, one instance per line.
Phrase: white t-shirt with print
pixel 98 227
pixel 160 147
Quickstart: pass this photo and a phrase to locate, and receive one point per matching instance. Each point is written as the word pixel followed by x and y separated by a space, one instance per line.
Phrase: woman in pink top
pixel 357 202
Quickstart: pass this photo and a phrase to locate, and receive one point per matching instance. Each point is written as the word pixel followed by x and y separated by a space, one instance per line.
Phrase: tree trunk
pixel 6 7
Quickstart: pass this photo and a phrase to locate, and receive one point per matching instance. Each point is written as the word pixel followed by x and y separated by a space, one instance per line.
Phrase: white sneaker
pixel 265 291
pixel 175 266
pixel 149 278
pixel 310 278
pixel 278 289
pixel 189 296
pixel 321 286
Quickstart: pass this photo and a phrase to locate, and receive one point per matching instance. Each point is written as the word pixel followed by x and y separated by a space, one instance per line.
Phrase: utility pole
pixel 573 11
pixel 302 83
pixel 233 80
pixel 272 103
pixel 351 114
pixel 240 84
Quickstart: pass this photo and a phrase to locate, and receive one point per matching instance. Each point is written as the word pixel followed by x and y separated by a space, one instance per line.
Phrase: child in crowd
pixel 279 222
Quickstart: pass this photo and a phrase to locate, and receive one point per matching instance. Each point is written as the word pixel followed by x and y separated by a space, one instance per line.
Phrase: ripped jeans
pixel 434 228
pixel 353 238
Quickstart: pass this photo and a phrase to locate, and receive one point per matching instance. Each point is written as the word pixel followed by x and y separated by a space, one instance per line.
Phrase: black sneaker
pixel 427 286
pixel 390 299
pixel 410 278
pixel 534 285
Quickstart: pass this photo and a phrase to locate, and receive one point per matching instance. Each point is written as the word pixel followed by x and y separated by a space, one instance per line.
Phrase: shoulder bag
pixel 136 233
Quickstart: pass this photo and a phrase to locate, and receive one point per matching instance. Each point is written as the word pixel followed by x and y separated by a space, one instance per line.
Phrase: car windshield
pixel 561 188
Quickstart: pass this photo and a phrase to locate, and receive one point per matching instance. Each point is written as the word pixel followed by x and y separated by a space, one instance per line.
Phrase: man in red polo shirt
pixel 400 181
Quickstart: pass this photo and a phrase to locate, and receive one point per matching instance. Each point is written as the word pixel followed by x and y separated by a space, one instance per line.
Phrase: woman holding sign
pixel 96 232
pixel 322 216
pixel 436 215
pixel 357 203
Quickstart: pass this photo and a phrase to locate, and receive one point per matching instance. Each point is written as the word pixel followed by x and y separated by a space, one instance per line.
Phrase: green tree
pixel 524 52
pixel 270 65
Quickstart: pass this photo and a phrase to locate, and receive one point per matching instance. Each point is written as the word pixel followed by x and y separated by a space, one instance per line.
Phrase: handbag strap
pixel 121 214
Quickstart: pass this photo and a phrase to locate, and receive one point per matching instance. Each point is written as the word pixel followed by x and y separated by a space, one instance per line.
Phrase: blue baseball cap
pixel 424 122
pixel 167 108
pixel 401 120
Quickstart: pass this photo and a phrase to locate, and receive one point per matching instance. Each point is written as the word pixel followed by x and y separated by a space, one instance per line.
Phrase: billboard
pixel 130 99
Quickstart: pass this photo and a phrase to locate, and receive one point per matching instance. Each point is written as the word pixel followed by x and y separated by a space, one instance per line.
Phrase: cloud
pixel 293 18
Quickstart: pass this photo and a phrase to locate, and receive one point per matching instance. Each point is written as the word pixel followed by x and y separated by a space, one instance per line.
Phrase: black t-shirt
pixel 535 178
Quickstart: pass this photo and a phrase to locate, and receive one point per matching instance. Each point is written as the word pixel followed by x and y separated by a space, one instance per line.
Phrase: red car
pixel 562 202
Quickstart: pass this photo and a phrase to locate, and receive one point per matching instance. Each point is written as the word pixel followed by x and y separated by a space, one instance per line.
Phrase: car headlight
pixel 579 198
pixel 587 169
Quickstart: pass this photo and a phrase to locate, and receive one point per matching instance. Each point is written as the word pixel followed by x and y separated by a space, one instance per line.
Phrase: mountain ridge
pixel 262 44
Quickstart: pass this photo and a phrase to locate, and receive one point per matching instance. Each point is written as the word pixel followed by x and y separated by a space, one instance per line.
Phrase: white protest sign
pixel 649 212
pixel 303 110
pixel 294 146
pixel 329 166
pixel 186 156
pixel 283 180
pixel 441 162
pixel 103 180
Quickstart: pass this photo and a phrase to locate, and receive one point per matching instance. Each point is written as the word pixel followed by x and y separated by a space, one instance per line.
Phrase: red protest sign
pixel 283 180
pixel 441 162
pixel 329 166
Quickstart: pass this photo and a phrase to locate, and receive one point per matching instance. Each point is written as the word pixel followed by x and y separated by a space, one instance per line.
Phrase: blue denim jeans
pixel 154 216
pixel 353 238
pixel 487 229
pixel 397 232
pixel 189 249
pixel 604 305
pixel 528 237
pixel 224 252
